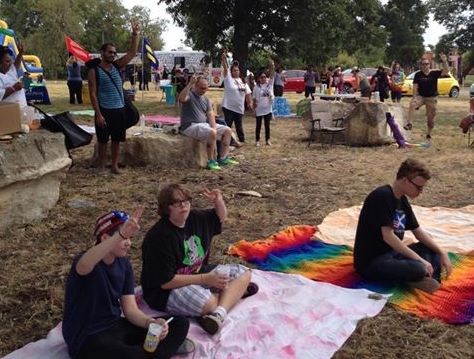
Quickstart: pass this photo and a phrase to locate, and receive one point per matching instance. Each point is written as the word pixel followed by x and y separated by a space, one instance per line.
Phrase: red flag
pixel 76 49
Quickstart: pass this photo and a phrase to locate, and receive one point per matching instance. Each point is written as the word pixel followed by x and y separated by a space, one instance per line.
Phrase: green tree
pixel 406 22
pixel 235 24
pixel 152 29
pixel 458 17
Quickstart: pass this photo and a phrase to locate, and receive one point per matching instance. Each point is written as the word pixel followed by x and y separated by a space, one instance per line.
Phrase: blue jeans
pixel 396 268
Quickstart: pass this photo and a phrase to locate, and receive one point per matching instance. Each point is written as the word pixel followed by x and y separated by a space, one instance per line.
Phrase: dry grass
pixel 299 184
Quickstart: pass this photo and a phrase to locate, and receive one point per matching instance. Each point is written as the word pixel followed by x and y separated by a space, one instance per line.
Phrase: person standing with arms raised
pixel 108 98
pixel 236 93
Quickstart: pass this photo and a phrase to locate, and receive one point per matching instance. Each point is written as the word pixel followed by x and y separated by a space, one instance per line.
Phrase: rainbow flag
pixel 295 250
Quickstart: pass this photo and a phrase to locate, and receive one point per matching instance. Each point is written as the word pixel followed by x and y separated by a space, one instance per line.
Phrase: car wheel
pixel 347 88
pixel 454 92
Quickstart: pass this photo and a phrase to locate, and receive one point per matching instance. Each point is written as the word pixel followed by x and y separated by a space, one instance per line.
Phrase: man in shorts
pixel 108 98
pixel 176 275
pixel 198 121
pixel 425 92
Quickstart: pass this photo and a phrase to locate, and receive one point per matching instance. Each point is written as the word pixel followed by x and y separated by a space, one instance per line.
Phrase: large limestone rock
pixel 365 123
pixel 31 169
pixel 161 149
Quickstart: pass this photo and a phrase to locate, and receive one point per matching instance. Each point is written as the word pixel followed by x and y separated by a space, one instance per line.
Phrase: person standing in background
pixel 262 102
pixel 236 93
pixel 398 78
pixel 280 80
pixel 11 88
pixel 425 92
pixel 74 80
pixel 310 79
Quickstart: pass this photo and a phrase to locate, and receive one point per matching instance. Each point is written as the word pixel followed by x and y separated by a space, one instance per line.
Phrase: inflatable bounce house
pixel 31 63
pixel 34 91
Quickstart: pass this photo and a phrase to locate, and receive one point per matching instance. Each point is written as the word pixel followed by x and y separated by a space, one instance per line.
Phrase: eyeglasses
pixel 180 203
pixel 418 187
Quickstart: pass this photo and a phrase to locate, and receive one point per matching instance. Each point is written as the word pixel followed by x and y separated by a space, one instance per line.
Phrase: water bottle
pixel 142 123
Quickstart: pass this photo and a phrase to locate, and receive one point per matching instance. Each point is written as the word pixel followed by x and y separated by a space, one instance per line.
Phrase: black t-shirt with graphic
pixel 427 84
pixel 381 209
pixel 168 250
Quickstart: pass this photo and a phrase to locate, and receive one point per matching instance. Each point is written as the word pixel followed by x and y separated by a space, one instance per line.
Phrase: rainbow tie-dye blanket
pixel 294 250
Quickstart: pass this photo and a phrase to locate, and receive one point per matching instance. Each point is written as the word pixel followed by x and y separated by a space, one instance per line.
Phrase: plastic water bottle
pixel 142 123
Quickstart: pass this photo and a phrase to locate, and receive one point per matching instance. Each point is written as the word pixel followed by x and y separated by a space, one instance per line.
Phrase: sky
pixel 174 35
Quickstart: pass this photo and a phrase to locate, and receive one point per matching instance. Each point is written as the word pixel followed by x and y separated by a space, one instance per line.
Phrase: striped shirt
pixel 109 96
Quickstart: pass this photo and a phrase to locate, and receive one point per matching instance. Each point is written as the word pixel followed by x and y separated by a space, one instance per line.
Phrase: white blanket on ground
pixel 452 228
pixel 290 317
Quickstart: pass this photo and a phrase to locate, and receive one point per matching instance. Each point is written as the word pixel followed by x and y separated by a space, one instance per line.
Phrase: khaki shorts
pixel 200 131
pixel 429 102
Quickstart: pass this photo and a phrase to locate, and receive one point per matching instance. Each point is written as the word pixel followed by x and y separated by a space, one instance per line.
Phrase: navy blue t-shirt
pixel 91 302
pixel 168 250
pixel 381 209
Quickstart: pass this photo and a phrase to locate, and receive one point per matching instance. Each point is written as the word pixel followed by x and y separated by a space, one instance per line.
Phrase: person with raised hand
pixel 198 122
pixel 236 94
pixel 100 287
pixel 107 97
pixel 11 88
pixel 176 275
pixel 425 92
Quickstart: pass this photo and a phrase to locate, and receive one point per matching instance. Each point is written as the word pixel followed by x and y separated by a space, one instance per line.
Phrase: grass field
pixel 300 185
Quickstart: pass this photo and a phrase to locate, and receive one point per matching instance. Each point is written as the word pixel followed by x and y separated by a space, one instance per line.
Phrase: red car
pixel 349 80
pixel 294 81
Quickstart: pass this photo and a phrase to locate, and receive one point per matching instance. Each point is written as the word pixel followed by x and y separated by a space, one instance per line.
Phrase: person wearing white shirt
pixel 263 100
pixel 11 88
pixel 236 93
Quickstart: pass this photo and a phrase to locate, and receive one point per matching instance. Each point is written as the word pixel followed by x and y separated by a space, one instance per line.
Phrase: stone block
pixel 161 149
pixel 32 167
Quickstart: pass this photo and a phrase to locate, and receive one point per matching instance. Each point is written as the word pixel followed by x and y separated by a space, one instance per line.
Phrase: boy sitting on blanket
pixel 379 253
pixel 100 286
pixel 176 276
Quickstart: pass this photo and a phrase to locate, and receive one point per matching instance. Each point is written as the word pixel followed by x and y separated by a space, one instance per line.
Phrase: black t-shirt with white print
pixel 381 209
pixel 168 250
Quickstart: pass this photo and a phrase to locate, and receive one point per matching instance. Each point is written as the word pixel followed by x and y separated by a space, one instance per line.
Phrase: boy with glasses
pixel 379 253
pixel 425 92
pixel 176 275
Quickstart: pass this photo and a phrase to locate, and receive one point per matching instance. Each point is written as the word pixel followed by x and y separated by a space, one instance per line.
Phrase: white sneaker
pixel 257 143
pixel 268 143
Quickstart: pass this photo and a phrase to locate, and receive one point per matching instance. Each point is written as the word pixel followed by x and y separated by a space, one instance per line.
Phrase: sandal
pixel 252 289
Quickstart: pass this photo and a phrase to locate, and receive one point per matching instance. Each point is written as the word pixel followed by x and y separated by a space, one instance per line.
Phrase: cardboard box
pixel 10 118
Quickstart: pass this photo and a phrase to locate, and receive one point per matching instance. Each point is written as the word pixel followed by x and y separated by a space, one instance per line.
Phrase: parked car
pixel 349 80
pixel 447 85
pixel 471 90
pixel 294 81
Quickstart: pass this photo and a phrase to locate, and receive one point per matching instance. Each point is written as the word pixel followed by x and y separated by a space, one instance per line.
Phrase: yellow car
pixel 447 85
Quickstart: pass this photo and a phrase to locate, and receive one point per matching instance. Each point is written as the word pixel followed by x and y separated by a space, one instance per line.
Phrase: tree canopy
pixel 458 17
pixel 42 24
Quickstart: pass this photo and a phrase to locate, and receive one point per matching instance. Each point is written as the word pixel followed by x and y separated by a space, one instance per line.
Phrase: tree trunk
pixel 242 33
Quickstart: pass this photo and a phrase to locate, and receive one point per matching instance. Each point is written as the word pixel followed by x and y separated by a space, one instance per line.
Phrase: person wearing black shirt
pixel 425 92
pixel 379 252
pixel 176 275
